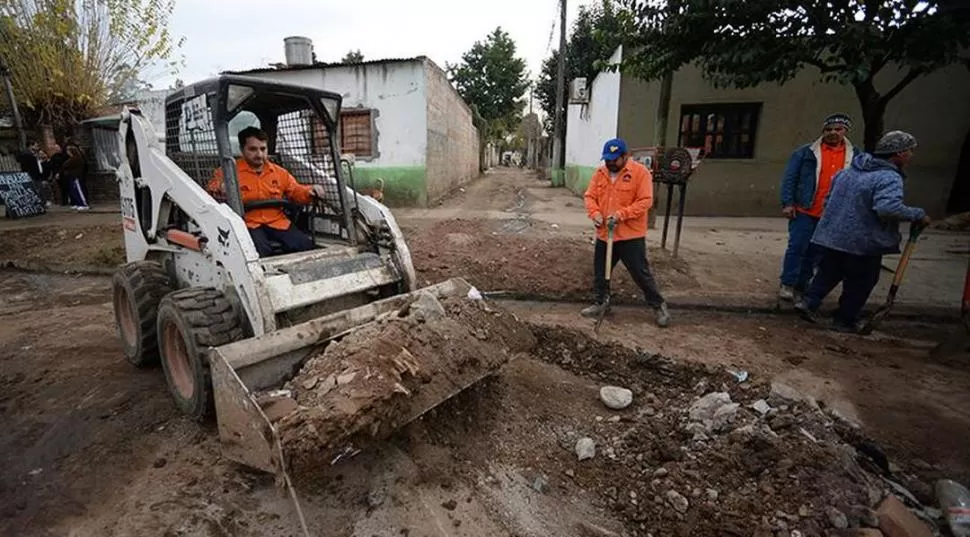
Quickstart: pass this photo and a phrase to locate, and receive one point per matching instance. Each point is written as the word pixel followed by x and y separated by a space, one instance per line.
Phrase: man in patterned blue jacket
pixel 859 226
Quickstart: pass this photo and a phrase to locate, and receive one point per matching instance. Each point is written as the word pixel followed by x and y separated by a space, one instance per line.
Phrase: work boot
pixel 593 311
pixel 805 313
pixel 786 292
pixel 663 316
pixel 847 328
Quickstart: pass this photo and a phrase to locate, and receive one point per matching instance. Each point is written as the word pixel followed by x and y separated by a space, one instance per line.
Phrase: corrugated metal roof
pixel 323 65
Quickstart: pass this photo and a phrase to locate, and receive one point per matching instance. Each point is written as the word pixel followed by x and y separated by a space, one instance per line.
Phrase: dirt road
pixel 94 447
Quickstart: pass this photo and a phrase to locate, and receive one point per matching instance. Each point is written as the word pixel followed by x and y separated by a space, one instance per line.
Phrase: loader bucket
pixel 247 376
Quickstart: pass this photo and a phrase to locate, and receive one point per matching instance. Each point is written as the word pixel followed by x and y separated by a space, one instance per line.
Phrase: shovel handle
pixel 914 231
pixel 609 252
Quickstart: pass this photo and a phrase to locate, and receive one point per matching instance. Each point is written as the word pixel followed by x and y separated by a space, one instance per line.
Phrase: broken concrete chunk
pixel 346 378
pixel 785 392
pixel 704 408
pixel 309 383
pixel 724 416
pixel 616 398
pixel 677 501
pixel 585 448
pixel 837 518
pixel 761 407
pixel 427 308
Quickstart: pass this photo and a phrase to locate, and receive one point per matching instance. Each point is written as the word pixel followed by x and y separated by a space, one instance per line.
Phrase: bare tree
pixel 67 58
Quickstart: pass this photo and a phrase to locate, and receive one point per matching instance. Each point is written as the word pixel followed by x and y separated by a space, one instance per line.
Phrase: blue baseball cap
pixel 614 149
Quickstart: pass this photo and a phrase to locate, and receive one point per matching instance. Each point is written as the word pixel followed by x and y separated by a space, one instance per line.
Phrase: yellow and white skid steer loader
pixel 225 323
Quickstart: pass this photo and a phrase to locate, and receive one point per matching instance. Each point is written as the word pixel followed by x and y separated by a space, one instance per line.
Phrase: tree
pixel 592 40
pixel 493 79
pixel 69 57
pixel 353 56
pixel 744 43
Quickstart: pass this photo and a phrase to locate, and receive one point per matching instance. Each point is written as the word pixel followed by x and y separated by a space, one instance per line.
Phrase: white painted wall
pixel 589 126
pixel 397 91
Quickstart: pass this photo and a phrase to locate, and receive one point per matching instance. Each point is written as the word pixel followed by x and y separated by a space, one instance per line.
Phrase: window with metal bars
pixel 356 133
pixel 722 130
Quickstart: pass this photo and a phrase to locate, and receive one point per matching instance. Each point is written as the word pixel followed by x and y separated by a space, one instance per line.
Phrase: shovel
pixel 609 269
pixel 914 230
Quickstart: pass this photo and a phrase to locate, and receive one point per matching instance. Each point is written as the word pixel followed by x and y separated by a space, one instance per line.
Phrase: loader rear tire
pixel 189 322
pixel 136 290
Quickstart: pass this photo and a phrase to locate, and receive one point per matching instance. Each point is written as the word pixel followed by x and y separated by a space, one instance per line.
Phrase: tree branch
pixel 912 75
pixel 826 68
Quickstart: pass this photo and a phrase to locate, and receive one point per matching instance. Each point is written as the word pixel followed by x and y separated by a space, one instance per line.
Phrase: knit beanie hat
pixel 895 142
pixel 838 119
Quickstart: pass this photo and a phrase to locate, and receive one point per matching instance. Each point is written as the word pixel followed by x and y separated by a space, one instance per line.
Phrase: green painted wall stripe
pixel 403 185
pixel 577 178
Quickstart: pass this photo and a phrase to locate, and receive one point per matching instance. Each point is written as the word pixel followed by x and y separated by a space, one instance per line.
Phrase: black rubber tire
pixel 136 291
pixel 189 322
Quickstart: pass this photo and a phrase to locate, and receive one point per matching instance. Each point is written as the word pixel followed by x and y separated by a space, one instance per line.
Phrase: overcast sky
pixel 242 34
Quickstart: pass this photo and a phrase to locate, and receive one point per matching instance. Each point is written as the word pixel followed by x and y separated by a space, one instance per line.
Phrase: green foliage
pixel 598 30
pixel 353 56
pixel 492 79
pixel 68 58
pixel 742 43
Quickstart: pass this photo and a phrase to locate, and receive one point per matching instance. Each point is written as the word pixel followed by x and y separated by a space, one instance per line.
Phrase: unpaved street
pixel 94 447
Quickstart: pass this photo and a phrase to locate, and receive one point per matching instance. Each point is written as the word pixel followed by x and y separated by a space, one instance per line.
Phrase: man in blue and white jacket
pixel 804 188
pixel 859 226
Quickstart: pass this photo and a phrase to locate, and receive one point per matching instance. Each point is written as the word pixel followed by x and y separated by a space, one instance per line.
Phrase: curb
pixel 912 312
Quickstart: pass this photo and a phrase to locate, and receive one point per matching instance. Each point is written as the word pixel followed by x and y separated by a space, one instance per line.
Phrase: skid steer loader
pixel 225 323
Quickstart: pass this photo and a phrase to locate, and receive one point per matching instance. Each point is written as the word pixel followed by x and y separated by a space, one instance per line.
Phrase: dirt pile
pixel 364 386
pixel 556 266
pixel 701 454
pixel 81 248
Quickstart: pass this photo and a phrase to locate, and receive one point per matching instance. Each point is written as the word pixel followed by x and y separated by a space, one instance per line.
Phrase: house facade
pixel 748 134
pixel 403 122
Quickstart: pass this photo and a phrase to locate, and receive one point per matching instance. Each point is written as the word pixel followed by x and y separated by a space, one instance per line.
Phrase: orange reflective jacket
pixel 272 182
pixel 629 198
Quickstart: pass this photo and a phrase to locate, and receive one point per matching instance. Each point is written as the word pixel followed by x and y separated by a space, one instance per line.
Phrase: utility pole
pixel 18 123
pixel 557 136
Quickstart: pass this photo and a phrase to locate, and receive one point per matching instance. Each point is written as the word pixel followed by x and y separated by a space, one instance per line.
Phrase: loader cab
pixel 204 119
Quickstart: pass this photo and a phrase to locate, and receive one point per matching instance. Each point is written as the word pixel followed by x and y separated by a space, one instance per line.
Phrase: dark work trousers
pixel 64 185
pixel 292 239
pixel 801 256
pixel 858 275
pixel 633 253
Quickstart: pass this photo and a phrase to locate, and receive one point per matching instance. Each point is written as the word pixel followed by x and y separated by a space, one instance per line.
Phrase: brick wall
pixel 452 137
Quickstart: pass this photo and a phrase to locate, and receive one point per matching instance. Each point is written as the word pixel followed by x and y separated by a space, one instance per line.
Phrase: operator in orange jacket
pixel 260 179
pixel 619 196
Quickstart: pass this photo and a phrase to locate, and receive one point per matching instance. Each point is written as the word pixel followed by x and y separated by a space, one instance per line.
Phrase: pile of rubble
pixel 690 450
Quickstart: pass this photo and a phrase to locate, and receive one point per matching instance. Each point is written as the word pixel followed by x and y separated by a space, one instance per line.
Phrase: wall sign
pixel 20 195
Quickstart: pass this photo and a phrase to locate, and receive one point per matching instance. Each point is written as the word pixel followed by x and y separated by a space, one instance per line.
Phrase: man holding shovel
pixel 617 200
pixel 860 225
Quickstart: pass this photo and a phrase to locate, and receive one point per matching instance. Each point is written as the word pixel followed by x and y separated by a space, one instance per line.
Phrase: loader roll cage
pixel 203 120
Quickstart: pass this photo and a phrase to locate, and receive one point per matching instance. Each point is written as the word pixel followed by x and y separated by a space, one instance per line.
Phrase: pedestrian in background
pixel 859 226
pixel 804 187
pixel 72 172
pixel 56 163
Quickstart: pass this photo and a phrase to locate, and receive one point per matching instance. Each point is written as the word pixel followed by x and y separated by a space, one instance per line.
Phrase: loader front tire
pixel 189 322
pixel 136 290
